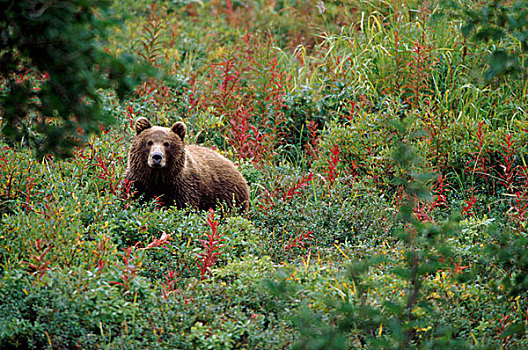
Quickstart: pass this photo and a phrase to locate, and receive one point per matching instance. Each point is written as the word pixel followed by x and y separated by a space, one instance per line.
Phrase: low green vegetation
pixel 386 157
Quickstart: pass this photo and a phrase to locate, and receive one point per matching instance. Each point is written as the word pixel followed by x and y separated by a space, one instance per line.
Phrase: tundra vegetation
pixel 384 144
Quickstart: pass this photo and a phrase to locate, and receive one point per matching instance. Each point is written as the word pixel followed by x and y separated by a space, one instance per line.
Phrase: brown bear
pixel 160 164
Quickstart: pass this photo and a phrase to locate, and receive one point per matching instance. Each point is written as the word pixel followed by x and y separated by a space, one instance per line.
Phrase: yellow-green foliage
pixel 389 189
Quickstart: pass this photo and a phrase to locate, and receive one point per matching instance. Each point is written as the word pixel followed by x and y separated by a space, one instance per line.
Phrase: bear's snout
pixel 157 158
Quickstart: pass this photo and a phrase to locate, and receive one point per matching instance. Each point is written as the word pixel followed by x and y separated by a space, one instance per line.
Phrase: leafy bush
pixel 388 185
pixel 48 81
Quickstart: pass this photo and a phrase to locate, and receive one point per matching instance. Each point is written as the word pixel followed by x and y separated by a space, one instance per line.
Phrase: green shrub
pixel 364 134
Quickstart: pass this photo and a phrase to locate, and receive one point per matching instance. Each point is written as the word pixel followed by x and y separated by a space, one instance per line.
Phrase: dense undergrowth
pixel 389 190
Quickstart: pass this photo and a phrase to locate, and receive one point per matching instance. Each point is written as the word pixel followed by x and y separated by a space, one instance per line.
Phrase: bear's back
pixel 219 177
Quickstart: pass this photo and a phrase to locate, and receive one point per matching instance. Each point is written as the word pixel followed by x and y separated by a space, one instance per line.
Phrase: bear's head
pixel 158 147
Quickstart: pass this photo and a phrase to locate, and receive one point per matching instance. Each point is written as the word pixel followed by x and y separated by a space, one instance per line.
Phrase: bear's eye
pixel 166 144
pixel 149 143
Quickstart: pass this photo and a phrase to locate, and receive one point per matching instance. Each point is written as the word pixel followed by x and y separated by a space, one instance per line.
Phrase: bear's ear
pixel 142 124
pixel 179 129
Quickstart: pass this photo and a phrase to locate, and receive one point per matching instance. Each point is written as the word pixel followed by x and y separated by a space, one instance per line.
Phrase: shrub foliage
pixel 388 180
pixel 52 64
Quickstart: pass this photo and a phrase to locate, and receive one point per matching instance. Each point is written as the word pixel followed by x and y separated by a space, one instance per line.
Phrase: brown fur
pixel 161 165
